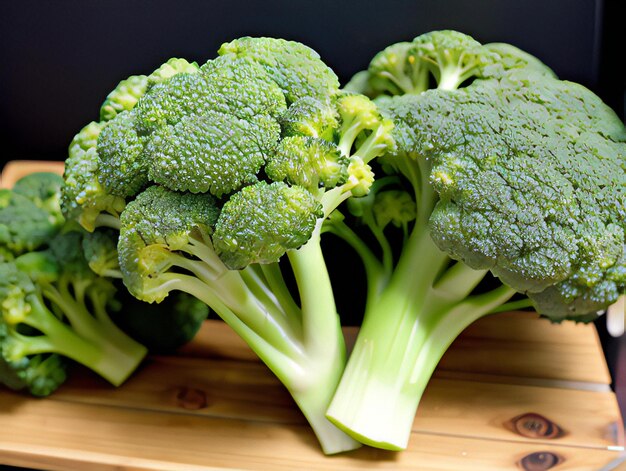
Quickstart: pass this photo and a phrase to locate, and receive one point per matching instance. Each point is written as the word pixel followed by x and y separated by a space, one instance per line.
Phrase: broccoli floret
pixel 53 304
pixel 518 186
pixel 397 71
pixel 100 251
pixel 83 198
pixel 124 97
pixel 214 152
pixel 43 189
pixel 123 169
pixel 296 68
pixel 40 374
pixel 24 226
pixel 249 231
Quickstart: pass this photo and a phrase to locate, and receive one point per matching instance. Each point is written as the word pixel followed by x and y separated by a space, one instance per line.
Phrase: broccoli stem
pixel 100 352
pixel 309 369
pixel 405 331
pixel 323 342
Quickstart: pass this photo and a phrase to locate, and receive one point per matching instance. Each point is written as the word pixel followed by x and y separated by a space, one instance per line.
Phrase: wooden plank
pixel 16 169
pixel 89 437
pixel 248 391
pixel 520 344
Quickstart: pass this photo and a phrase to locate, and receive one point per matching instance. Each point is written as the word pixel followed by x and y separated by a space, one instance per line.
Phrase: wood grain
pixel 134 439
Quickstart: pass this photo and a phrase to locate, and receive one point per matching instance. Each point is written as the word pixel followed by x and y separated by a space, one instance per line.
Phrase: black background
pixel 59 59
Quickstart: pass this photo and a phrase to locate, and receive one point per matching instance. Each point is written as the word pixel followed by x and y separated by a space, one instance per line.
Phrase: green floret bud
pixel 393 206
pixel 170 68
pixel 310 117
pixel 42 266
pixel 308 162
pixel 215 152
pixel 43 189
pixel 83 198
pixel 362 126
pixel 360 177
pixel 261 222
pixel 123 168
pixel 23 225
pixel 397 71
pixel 124 97
pixel 100 251
pixel 296 68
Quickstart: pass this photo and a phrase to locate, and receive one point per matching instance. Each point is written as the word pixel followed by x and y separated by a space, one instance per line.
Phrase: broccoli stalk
pixel 519 176
pixel 67 315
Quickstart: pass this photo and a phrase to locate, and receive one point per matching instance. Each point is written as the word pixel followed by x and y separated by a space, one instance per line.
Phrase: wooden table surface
pixel 513 392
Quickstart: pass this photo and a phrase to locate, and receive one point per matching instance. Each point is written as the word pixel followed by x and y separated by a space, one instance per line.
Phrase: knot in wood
pixel 191 398
pixel 532 425
pixel 540 461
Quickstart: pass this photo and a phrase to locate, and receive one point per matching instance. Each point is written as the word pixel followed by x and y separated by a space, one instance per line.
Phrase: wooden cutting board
pixel 513 392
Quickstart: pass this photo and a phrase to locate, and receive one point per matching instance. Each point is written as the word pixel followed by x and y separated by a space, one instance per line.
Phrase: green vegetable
pixel 53 304
pixel 512 184
pixel 213 176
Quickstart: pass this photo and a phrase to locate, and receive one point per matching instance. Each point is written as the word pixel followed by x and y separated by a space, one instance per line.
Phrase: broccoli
pixel 43 189
pixel 53 304
pixel 92 193
pixel 443 59
pixel 241 160
pixel 509 192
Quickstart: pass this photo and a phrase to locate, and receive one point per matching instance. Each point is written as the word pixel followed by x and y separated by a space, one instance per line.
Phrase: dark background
pixel 59 59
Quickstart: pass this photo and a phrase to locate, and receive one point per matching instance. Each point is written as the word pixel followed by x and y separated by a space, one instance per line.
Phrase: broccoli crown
pixel 530 180
pixel 261 222
pixel 309 116
pixel 296 68
pixel 124 96
pixel 24 226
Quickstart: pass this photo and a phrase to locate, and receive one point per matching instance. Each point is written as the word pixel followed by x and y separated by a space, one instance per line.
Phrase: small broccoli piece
pixel 310 117
pixel 124 97
pixel 23 225
pixel 83 198
pixel 53 304
pixel 397 70
pixel 296 68
pixel 249 231
pixel 43 189
pixel 40 375
pixel 519 187
pixel 100 251
pixel 296 156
